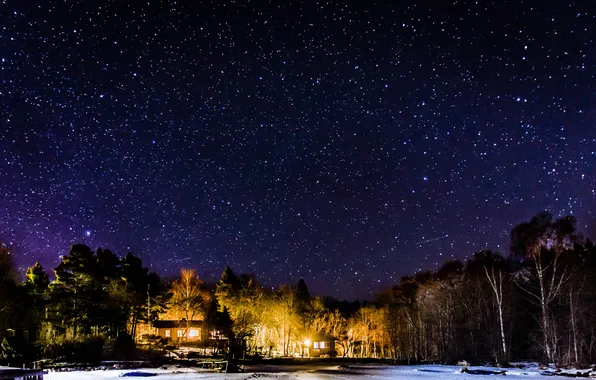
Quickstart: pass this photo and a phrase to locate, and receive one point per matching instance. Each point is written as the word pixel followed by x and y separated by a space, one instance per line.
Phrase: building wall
pixel 175 333
pixel 321 347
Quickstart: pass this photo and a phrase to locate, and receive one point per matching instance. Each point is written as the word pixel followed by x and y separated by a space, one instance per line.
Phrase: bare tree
pixel 189 296
pixel 495 280
pixel 541 242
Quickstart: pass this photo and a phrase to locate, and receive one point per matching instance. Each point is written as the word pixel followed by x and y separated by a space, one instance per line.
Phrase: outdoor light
pixel 307 342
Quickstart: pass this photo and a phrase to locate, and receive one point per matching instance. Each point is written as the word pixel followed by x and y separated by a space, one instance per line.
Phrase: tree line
pixel 534 303
pixel 94 298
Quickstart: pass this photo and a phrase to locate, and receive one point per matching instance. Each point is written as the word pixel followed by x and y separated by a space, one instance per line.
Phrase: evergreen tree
pixel 227 288
pixel 302 291
pixel 141 288
pixel 36 285
pixel 76 292
pixel 37 280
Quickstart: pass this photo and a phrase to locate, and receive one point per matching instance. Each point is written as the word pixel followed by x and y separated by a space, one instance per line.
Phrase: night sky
pixel 349 143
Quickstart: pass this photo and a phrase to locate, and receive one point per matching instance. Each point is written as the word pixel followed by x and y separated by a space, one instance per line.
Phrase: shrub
pixel 122 347
pixel 154 342
pixel 88 349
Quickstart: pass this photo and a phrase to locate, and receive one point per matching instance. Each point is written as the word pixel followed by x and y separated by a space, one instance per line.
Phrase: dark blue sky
pixel 349 143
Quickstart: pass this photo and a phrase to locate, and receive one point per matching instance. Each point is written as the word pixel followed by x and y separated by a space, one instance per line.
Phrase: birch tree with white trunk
pixel 540 244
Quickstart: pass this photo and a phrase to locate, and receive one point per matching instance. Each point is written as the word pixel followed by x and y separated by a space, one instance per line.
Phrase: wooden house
pixel 192 331
pixel 195 332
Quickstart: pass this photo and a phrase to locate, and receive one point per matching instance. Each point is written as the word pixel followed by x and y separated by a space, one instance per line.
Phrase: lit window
pixel 193 333
pixel 316 345
pixel 168 333
pixel 321 344
pixel 180 333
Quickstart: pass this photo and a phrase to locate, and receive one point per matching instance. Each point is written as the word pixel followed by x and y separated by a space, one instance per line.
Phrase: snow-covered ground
pixel 310 372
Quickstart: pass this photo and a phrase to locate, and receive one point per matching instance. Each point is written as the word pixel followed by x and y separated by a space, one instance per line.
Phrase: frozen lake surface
pixel 307 372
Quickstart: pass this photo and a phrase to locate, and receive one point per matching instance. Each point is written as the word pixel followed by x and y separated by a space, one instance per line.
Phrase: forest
pixel 536 302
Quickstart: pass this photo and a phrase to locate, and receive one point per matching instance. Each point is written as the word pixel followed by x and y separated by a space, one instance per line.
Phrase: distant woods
pixel 535 303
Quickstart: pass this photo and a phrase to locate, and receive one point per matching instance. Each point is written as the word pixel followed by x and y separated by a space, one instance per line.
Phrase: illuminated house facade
pixel 194 333
pixel 181 330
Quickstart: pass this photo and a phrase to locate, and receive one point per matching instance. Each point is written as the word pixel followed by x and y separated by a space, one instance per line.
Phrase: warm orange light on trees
pixel 189 297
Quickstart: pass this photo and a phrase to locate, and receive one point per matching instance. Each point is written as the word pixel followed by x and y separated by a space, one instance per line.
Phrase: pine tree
pixel 37 280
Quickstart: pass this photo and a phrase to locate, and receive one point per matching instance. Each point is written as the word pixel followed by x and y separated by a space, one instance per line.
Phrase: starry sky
pixel 349 143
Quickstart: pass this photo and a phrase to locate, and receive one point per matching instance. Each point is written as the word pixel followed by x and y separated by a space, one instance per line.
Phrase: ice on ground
pixel 313 372
pixel 138 374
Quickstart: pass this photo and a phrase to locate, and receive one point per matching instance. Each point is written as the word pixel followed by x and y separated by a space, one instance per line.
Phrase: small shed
pixel 322 345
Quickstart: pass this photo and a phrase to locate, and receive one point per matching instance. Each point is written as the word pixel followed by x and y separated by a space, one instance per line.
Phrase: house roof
pixel 168 324
pixel 322 337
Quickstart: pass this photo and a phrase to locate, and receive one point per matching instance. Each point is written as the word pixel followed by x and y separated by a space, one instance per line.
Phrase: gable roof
pixel 318 337
pixel 168 324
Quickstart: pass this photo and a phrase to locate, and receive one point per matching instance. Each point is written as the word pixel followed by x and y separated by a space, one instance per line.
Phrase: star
pixel 287 146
